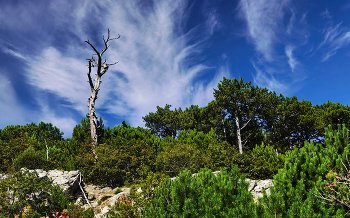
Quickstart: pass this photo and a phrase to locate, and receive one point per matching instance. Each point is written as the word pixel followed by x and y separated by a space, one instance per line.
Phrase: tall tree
pixel 269 116
pixel 331 114
pixel 241 101
pixel 102 68
pixel 165 122
pixel 296 123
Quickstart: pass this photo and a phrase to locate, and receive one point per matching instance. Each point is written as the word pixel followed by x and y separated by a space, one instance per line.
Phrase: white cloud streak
pixel 269 81
pixel 212 22
pixel 335 38
pixel 11 110
pixel 63 76
pixel 291 59
pixel 263 18
pixel 10 49
pixel 157 60
pixel 268 31
pixel 325 14
pixel 47 115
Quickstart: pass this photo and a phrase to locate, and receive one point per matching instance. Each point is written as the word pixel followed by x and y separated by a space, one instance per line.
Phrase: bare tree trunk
pixel 241 142
pixel 95 87
pixel 223 124
pixel 239 138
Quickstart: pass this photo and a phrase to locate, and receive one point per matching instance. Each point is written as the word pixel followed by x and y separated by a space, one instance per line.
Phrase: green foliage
pixel 81 132
pixel 331 114
pixel 220 154
pixel 118 190
pixel 127 155
pixel 42 131
pixel 305 169
pixel 199 139
pixel 205 194
pixel 30 190
pixel 164 122
pixel 148 188
pixel 177 157
pixel 261 163
pixel 192 139
pixel 31 159
pixel 296 123
pixel 123 208
pixel 16 139
pixel 242 102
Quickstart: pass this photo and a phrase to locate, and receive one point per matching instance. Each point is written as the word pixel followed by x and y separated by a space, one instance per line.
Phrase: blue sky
pixel 170 52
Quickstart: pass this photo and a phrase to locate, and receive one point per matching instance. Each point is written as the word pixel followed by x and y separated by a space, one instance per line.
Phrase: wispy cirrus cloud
pixel 269 81
pixel 263 20
pixel 11 110
pixel 325 14
pixel 268 31
pixel 9 49
pixel 158 59
pixel 291 59
pixel 335 38
pixel 62 76
pixel 212 23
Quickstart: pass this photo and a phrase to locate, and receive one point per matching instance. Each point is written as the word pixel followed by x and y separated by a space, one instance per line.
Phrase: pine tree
pixel 304 170
pixel 203 195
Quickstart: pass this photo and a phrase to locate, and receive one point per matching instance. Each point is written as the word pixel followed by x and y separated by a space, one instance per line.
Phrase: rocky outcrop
pixel 67 180
pixel 256 187
pixel 102 198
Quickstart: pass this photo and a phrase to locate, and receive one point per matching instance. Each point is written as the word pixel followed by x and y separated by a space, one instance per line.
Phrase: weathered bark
pixel 223 125
pixel 241 142
pixel 95 87
pixel 239 138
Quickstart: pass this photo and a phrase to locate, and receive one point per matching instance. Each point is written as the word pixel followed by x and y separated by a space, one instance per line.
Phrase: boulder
pixel 104 210
pixel 2 177
pixel 67 180
pixel 256 187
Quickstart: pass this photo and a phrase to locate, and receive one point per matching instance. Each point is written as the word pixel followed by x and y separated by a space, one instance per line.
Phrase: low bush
pixel 118 191
pixel 203 195
pixel 260 163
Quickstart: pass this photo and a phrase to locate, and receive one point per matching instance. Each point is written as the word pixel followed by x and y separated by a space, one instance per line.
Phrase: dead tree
pixel 102 68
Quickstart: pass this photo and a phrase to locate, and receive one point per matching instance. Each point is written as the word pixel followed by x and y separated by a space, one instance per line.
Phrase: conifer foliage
pixel 305 171
pixel 203 195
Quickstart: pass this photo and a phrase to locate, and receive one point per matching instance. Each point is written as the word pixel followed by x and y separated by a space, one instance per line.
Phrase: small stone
pixel 91 196
pixel 105 210
pixel 85 206
pixel 79 201
pixel 94 204
pixel 106 189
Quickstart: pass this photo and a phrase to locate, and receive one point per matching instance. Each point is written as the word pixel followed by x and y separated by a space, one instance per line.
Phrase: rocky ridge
pixel 102 198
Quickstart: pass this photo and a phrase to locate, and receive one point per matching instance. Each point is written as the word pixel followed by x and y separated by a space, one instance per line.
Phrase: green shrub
pixel 31 159
pixel 177 157
pixel 294 192
pixel 118 191
pixel 203 195
pixel 261 163
pixel 123 208
pixel 31 191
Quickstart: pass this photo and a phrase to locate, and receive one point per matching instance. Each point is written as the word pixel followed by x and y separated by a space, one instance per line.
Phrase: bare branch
pixel 112 63
pixel 246 123
pixel 97 53
pixel 106 41
pixel 89 73
pixel 246 140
